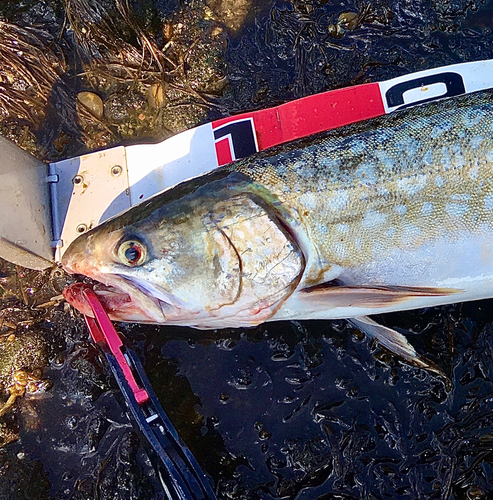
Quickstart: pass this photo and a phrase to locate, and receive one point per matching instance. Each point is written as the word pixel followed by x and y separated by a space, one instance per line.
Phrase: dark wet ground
pixel 309 410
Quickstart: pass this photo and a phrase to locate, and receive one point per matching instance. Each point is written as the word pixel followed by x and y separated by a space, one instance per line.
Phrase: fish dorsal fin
pixel 395 342
pixel 336 295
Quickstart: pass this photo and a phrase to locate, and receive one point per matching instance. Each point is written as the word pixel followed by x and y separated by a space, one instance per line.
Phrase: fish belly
pixel 463 265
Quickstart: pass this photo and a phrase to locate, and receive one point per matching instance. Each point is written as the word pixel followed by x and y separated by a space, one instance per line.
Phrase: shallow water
pixel 287 410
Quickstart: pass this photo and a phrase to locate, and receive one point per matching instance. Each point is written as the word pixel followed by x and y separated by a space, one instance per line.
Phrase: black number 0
pixel 452 81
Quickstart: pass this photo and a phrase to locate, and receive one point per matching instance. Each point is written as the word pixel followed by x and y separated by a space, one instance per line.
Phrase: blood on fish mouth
pixel 112 299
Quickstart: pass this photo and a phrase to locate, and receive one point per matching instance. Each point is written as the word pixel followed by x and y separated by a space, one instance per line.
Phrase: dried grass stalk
pixel 29 70
pixel 103 50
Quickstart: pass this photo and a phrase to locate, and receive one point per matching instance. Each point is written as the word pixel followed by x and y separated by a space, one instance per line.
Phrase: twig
pixel 21 285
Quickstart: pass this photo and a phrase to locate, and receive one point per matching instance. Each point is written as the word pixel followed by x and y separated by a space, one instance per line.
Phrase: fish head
pixel 98 255
pixel 213 257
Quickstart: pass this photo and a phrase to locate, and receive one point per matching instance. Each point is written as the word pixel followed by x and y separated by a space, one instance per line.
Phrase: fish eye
pixel 132 253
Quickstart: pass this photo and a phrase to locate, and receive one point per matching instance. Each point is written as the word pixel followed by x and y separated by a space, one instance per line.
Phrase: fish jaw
pixel 118 304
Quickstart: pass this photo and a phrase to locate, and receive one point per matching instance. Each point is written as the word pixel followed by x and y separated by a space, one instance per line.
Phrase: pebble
pixel 92 102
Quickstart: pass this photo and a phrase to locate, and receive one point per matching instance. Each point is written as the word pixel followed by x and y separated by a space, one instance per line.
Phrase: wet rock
pixel 232 13
pixel 8 432
pixel 124 106
pixel 21 353
pixel 339 418
pixel 122 477
pixel 349 20
pixel 21 133
pixel 91 102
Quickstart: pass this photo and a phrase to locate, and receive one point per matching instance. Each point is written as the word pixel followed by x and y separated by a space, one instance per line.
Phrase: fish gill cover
pixel 289 410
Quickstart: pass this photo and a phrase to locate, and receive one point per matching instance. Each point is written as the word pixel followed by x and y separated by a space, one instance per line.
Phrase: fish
pixel 390 214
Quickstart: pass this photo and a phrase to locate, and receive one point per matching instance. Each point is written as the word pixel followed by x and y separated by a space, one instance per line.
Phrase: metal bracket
pixel 25 226
pixel 85 191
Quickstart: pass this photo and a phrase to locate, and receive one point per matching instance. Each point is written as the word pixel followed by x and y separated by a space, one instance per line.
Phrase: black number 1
pixel 241 136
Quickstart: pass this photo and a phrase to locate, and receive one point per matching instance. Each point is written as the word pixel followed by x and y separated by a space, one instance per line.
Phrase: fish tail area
pixel 395 342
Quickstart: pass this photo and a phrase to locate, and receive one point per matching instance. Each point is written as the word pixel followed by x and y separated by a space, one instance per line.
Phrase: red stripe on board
pixel 312 114
pixel 223 152
pixel 326 111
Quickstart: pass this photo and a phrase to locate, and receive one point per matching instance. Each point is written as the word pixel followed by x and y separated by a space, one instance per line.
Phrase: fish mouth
pixel 119 304
pixel 122 299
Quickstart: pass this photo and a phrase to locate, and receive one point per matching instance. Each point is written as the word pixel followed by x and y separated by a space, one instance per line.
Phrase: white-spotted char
pixel 390 214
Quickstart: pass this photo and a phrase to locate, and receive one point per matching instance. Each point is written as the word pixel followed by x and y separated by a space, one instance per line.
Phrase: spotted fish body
pixel 405 200
pixel 390 214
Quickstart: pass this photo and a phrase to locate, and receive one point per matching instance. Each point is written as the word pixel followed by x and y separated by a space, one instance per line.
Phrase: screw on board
pixel 116 170
pixel 81 228
pixel 78 179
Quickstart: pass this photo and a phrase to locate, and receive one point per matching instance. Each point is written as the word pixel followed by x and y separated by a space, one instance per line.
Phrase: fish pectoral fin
pixel 371 296
pixel 394 342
